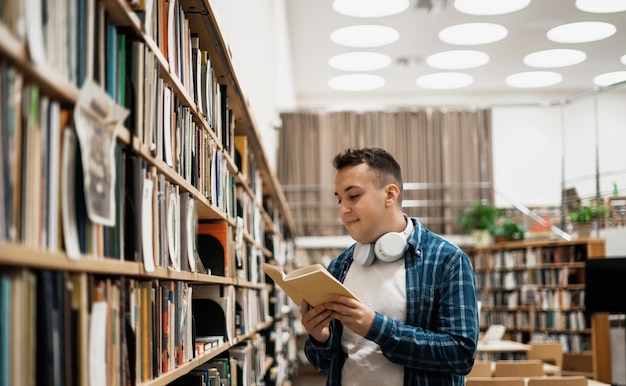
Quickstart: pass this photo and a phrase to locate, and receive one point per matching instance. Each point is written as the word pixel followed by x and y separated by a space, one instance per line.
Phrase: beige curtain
pixel 445 156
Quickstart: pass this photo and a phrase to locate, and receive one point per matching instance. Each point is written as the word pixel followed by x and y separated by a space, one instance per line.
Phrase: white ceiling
pixel 311 22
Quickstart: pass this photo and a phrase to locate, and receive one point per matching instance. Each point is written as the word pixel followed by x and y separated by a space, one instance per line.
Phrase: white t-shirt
pixel 382 287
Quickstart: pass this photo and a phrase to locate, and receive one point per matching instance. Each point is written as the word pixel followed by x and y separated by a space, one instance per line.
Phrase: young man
pixel 417 319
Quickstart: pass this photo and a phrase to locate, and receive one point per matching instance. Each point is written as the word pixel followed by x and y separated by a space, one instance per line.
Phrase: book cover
pixel 312 283
pixel 68 199
pixel 5 333
pixel 165 354
pixel 222 365
pixel 133 226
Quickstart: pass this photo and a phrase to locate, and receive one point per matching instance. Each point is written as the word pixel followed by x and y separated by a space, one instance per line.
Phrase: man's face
pixel 361 203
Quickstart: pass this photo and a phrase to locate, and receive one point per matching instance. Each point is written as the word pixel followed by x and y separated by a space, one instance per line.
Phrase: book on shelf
pixel 312 283
pixel 222 365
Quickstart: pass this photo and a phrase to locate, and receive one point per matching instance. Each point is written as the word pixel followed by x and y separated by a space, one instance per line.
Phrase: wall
pixel 535 148
pixel 256 32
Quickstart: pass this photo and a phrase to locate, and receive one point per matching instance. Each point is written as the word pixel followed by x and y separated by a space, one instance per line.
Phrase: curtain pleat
pixel 445 155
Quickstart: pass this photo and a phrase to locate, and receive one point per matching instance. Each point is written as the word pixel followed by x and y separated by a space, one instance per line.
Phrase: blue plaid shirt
pixel 437 344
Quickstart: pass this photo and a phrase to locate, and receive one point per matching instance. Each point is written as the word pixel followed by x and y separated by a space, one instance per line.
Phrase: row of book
pixel 55 323
pixel 285 349
pixel 42 160
pixel 166 23
pixel 167 126
pixel 252 309
pixel 92 46
pixel 57 34
pixel 30 141
pixel 571 342
pixel 223 371
pixel 574 321
pixel 527 257
pixel 540 299
pixel 170 168
pixel 61 328
pixel 245 365
pixel 562 276
pixel 41 140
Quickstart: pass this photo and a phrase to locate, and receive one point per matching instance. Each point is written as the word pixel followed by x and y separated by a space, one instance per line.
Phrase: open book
pixel 312 283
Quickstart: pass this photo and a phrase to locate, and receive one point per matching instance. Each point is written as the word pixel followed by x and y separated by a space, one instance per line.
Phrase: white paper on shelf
pixel 96 117
pixel 191 221
pixel 146 230
pixel 98 345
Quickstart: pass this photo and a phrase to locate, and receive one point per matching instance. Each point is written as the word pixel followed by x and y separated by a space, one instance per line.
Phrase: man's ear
pixel 392 192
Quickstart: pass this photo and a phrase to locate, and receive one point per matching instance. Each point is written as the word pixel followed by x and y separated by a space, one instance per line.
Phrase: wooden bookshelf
pixel 536 289
pixel 178 139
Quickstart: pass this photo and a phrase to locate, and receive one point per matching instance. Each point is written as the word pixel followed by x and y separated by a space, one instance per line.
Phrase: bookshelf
pixel 100 262
pixel 536 289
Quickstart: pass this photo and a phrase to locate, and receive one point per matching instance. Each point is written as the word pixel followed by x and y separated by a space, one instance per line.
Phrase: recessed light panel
pixel 601 6
pixel 473 33
pixel 364 36
pixel 445 80
pixel 489 7
pixel 356 82
pixel 359 61
pixel 610 78
pixel 581 32
pixel 554 58
pixel 370 8
pixel 533 79
pixel 457 59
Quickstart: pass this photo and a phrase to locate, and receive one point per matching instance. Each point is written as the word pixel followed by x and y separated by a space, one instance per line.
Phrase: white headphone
pixel 389 247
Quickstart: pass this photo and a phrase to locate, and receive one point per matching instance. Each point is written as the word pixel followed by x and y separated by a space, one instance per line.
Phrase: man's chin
pixel 362 240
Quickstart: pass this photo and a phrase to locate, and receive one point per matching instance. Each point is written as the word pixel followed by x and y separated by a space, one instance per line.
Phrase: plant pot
pixel 482 238
pixel 584 230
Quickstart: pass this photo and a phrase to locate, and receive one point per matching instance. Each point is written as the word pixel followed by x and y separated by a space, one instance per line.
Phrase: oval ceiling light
pixel 457 59
pixel 370 8
pixel 356 82
pixel 473 33
pixel 601 6
pixel 609 78
pixel 623 59
pixel 489 7
pixel 554 58
pixel 581 32
pixel 444 80
pixel 364 36
pixel 359 61
pixel 533 79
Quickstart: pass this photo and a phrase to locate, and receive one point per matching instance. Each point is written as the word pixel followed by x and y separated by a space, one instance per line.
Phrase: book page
pixel 312 283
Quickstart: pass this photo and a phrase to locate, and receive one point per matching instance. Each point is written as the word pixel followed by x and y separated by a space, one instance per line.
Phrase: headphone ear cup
pixel 364 254
pixel 390 246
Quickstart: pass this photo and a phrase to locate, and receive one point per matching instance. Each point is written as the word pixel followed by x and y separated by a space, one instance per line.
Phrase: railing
pixel 437 205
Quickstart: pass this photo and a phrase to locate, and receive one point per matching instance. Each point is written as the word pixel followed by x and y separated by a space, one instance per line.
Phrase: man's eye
pixel 354 197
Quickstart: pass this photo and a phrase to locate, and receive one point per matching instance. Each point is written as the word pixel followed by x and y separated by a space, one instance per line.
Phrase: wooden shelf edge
pixel 18 255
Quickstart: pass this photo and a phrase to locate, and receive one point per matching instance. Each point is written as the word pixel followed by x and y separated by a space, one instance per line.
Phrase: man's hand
pixel 353 314
pixel 316 320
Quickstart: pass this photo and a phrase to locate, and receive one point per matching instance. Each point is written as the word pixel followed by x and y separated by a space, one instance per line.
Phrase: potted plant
pixel 508 230
pixel 480 220
pixel 584 216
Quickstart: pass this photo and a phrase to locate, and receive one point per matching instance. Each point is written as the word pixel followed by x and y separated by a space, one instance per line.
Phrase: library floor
pixel 308 377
